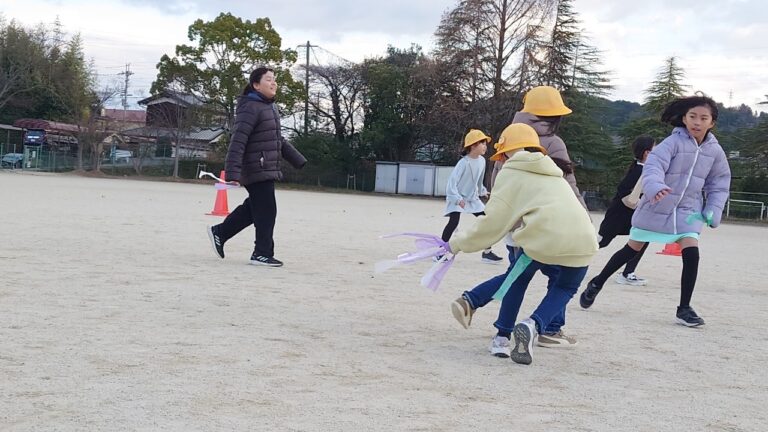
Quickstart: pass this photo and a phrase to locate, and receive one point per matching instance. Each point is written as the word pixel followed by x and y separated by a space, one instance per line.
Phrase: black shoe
pixel 218 245
pixel 491 258
pixel 687 317
pixel 589 294
pixel 265 261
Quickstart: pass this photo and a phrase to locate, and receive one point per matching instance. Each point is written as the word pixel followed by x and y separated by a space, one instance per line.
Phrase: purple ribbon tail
pixel 435 276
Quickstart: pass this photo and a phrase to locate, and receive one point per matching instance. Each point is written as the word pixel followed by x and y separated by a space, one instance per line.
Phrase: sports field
pixel 116 315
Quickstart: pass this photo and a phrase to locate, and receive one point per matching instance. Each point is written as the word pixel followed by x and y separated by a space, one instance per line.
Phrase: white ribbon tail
pixel 211 175
pixel 382 266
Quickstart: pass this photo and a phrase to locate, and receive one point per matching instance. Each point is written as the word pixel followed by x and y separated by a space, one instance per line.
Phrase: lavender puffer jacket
pixel 687 168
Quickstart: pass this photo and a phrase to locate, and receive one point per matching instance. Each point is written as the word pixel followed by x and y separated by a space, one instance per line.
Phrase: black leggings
pixel 632 264
pixel 453 222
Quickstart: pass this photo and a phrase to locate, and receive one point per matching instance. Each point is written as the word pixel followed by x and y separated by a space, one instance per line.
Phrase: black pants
pixel 259 209
pixel 453 222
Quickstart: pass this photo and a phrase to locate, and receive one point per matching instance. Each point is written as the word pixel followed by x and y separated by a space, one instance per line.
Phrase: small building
pixel 121 119
pixel 386 177
pixel 411 178
pixel 171 117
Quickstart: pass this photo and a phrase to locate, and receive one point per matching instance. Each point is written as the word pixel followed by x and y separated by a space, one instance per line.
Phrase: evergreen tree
pixel 665 88
pixel 570 62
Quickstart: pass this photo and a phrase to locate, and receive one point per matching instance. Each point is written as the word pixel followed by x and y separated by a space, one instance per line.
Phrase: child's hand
pixel 462 203
pixel 662 193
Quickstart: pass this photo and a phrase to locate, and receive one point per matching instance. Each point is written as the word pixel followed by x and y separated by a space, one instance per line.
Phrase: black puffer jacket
pixel 257 146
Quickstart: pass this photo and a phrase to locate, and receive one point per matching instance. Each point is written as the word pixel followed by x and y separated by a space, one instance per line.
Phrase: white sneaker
pixel 524 333
pixel 499 346
pixel 630 279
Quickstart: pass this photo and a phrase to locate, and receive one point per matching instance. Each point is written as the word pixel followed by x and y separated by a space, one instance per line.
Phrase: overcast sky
pixel 722 45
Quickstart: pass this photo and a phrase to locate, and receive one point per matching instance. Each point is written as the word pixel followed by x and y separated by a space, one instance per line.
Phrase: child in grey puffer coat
pixel 686 182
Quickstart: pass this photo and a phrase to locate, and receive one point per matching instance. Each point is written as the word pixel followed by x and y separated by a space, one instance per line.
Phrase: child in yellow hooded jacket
pixel 555 231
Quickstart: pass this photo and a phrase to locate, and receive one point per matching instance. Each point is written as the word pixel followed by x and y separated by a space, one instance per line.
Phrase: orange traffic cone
pixel 221 207
pixel 671 249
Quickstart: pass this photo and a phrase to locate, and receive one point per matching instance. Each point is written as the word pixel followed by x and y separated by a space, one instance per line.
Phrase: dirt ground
pixel 115 315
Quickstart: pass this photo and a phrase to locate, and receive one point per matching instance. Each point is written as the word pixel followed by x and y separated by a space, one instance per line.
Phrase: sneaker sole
pixel 500 354
pixel 687 324
pixel 213 243
pixel 626 282
pixel 522 352
pixel 259 263
pixel 555 344
pixel 458 313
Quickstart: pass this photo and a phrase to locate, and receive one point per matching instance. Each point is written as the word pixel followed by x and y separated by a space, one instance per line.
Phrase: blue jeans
pixel 482 294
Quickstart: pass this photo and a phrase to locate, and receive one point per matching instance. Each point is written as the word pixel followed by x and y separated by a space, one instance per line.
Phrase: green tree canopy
pixel 215 68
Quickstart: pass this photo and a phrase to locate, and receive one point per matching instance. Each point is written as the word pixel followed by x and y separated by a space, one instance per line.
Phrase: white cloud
pixel 721 44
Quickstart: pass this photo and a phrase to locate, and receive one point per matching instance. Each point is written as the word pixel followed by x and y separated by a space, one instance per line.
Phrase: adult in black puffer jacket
pixel 253 161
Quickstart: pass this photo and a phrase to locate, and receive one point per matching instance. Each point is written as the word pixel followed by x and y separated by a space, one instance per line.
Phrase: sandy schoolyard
pixel 116 316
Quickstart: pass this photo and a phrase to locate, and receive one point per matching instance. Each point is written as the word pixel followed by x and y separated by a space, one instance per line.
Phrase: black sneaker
pixel 589 294
pixel 687 317
pixel 218 245
pixel 265 261
pixel 491 258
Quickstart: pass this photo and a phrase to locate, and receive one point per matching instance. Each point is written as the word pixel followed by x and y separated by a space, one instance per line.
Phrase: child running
pixel 532 200
pixel 618 217
pixel 672 209
pixel 543 110
pixel 465 187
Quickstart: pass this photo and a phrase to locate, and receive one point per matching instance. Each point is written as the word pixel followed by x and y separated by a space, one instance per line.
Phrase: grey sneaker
pixel 499 347
pixel 630 279
pixel 491 258
pixel 687 317
pixel 462 311
pixel 557 340
pixel 524 332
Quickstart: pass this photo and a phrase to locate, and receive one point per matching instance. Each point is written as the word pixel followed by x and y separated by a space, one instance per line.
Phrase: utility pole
pixel 124 93
pixel 308 46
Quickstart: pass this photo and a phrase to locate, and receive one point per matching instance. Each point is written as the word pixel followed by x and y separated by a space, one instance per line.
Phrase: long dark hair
pixel 563 164
pixel 674 112
pixel 640 145
pixel 256 78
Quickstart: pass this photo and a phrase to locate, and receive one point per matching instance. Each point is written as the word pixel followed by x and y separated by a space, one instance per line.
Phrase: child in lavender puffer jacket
pixel 673 209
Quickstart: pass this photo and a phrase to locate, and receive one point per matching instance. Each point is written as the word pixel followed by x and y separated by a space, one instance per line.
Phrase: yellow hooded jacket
pixel 555 228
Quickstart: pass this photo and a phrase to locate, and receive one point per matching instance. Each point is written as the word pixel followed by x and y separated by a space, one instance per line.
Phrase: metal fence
pixel 747 206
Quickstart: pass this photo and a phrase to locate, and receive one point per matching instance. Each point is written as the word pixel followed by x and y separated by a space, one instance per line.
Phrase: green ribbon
pixel 520 265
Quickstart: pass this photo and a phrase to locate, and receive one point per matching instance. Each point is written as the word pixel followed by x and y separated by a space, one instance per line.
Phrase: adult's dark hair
pixel 256 77
pixel 674 112
pixel 563 164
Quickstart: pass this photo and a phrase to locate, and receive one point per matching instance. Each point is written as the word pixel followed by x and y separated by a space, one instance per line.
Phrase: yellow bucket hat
pixel 474 136
pixel 545 101
pixel 516 136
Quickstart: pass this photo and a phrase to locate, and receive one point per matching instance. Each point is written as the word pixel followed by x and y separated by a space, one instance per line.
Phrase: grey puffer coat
pixel 257 145
pixel 689 169
pixel 550 141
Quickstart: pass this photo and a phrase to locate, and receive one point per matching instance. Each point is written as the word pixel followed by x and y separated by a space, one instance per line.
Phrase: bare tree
pixel 337 99
pixel 483 41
